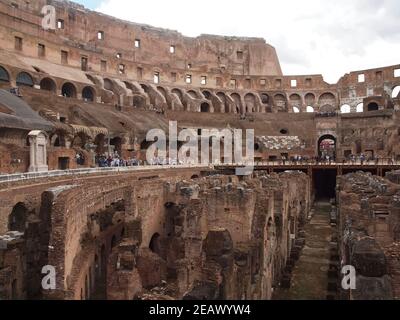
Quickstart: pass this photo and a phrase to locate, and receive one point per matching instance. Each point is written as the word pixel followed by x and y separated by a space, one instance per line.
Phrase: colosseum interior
pixel 79 195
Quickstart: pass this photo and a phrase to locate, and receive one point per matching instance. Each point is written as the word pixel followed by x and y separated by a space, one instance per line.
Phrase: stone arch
pixel 360 107
pixel 58 140
pixel 4 75
pixel 88 94
pixel 250 101
pixel 265 99
pixel 205 107
pixel 18 218
pixel 68 90
pixel 327 98
pixel 396 92
pixel 179 94
pixel 108 85
pixel 116 142
pixel 309 99
pixel 224 101
pixel 280 102
pixel 345 108
pixel 192 94
pixel 207 94
pixel 162 91
pixel 25 79
pixel 329 148
pixel 238 103
pixel 80 140
pixel 295 101
pixel 373 106
pixel 48 84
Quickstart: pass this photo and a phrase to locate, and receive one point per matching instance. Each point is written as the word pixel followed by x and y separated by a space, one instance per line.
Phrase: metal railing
pixel 277 163
pixel 89 171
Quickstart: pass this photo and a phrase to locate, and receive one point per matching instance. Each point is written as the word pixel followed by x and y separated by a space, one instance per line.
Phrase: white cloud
pixel 311 37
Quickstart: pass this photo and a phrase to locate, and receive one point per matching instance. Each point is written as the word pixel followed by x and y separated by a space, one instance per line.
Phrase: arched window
pixel 345 108
pixel 24 79
pixel 360 107
pixel 88 94
pixel 296 110
pixel 18 217
pixel 68 90
pixel 310 109
pixel 4 76
pixel 48 84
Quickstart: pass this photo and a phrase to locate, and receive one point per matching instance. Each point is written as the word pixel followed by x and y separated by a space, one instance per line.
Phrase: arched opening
pixel 116 145
pixel 179 94
pixel 327 98
pixel 18 217
pixel 68 90
pixel 108 85
pixel 250 101
pixel 373 106
pixel 264 98
pixel 360 107
pixel 224 101
pixel 48 84
pixel 207 94
pixel 88 94
pixel 238 103
pixel 310 109
pixel 309 99
pixel 345 108
pixel 155 244
pixel 280 102
pixel 80 140
pixel 4 76
pixel 327 147
pixel 296 110
pixel 295 101
pixel 24 79
pixel 58 140
pixel 396 92
pixel 205 107
pixel 192 94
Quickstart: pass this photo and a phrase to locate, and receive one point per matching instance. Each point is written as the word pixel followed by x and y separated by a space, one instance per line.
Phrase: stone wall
pixel 368 233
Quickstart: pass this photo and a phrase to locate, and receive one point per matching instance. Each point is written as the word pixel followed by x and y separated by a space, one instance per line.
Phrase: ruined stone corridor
pixel 310 274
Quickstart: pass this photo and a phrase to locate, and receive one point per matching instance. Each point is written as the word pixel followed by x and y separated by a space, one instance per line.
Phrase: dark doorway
pixel 325 183
pixel 205 107
pixel 63 163
pixel 155 245
pixel 373 106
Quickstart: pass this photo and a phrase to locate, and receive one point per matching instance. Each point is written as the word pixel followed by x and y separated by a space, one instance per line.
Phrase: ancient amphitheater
pixel 78 197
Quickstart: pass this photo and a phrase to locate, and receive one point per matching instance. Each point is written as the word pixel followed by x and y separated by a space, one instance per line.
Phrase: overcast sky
pixel 311 36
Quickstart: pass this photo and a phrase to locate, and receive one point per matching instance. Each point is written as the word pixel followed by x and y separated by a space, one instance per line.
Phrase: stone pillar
pixel 38 152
